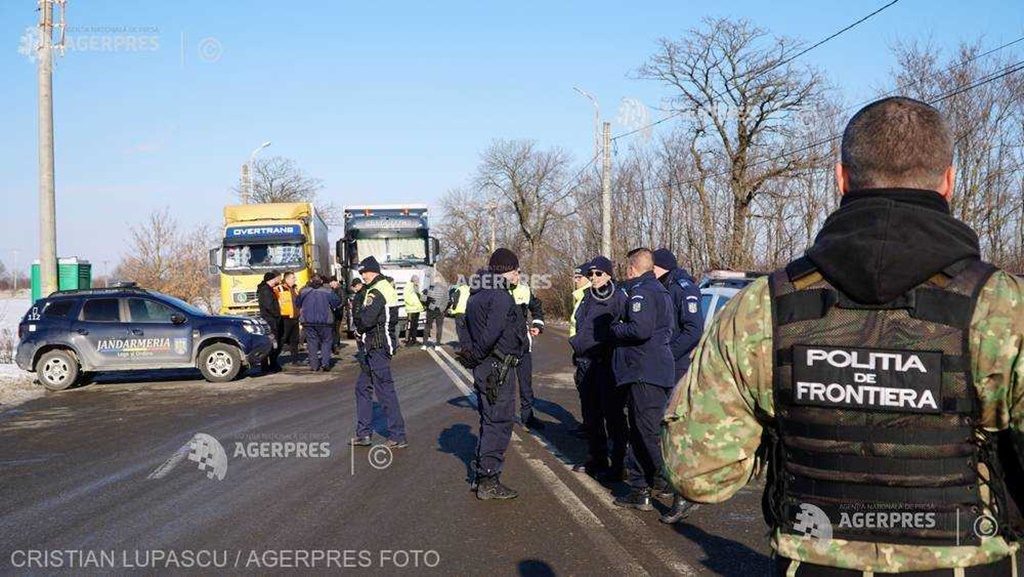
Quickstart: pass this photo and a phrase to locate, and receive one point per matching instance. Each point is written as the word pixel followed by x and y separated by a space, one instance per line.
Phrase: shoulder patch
pixel 637 305
pixel 637 297
pixel 692 307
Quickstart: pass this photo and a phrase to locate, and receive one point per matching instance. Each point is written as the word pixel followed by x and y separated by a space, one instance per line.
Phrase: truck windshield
pixel 263 256
pixel 412 250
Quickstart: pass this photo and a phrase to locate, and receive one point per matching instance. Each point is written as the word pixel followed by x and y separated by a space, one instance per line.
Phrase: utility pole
pixel 47 187
pixel 606 193
pixel 246 183
pixel 14 274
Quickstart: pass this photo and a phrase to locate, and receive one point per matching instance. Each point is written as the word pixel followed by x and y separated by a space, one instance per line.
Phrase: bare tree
pixel 162 257
pixel 534 183
pixel 739 90
pixel 279 179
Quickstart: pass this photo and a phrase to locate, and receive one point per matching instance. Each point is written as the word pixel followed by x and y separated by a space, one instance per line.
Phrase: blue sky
pixel 386 102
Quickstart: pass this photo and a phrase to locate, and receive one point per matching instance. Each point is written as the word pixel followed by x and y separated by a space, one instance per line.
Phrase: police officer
pixel 459 300
pixel 687 318
pixel 601 402
pixel 413 308
pixel 317 304
pixel 533 325
pixel 686 330
pixel 879 367
pixel 496 342
pixel 580 284
pixel 643 362
pixel 376 315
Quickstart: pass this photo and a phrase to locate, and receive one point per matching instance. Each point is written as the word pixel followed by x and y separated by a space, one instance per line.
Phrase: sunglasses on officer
pixel 596 273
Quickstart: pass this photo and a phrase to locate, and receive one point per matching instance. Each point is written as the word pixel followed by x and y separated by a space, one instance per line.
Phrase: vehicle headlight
pixel 239 298
pixel 253 327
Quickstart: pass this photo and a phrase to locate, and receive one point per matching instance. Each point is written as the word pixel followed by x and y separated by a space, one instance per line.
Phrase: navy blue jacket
pixel 687 322
pixel 494 321
pixel 317 306
pixel 598 310
pixel 642 336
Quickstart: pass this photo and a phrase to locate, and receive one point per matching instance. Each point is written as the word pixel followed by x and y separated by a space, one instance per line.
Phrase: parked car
pixel 718 287
pixel 125 328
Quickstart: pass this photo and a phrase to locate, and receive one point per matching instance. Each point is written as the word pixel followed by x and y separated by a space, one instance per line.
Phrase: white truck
pixel 398 236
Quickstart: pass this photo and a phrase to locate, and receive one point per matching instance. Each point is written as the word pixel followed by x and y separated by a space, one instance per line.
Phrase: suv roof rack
pixel 130 288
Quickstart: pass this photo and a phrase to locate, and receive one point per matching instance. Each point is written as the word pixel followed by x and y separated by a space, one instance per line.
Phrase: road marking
pixel 620 557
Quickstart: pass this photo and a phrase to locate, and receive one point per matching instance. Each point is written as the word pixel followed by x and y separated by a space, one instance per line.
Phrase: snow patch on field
pixel 16 385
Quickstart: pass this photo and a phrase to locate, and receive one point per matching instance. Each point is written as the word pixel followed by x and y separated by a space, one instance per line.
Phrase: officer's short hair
pixel 897 142
pixel 641 259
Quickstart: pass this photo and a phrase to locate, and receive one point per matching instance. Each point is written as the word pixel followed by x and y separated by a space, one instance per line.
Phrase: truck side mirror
pixel 435 250
pixel 214 267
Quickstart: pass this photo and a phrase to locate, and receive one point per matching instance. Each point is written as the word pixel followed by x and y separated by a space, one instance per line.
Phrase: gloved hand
pixel 467 359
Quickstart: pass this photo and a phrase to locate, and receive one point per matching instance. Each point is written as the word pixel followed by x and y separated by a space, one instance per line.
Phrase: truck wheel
pixel 57 369
pixel 220 362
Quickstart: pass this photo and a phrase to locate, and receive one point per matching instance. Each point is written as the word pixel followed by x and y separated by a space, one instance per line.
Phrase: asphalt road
pixel 75 493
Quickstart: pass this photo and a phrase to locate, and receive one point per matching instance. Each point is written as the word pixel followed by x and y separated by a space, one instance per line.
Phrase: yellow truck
pixel 286 237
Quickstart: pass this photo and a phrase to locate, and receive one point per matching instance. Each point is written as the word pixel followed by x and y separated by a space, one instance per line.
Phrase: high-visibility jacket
pixel 413 304
pixel 577 298
pixel 286 298
pixel 461 298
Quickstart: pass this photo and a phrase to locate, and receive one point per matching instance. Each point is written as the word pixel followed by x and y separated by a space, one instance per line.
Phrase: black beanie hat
pixel 581 269
pixel 602 264
pixel 663 258
pixel 369 264
pixel 502 261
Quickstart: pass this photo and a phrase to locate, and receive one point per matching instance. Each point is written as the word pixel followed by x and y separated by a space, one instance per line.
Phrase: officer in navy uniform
pixel 602 403
pixel 643 362
pixel 496 341
pixel 376 315
pixel 688 324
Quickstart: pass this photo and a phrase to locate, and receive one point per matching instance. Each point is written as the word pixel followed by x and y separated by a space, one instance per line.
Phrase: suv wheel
pixel 57 369
pixel 220 362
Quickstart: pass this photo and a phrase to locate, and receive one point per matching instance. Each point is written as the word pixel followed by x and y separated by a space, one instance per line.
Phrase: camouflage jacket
pixel 710 433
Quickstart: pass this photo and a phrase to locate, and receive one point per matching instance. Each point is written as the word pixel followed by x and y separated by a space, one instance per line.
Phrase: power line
pixel 783 62
pixel 1011 69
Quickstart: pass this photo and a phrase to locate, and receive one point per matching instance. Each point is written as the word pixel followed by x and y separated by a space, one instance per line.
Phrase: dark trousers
pixel 289 332
pixel 376 377
pixel 524 375
pixel 270 361
pixel 319 341
pixel 435 318
pixel 495 420
pixel 646 409
pixel 462 331
pixel 412 325
pixel 604 413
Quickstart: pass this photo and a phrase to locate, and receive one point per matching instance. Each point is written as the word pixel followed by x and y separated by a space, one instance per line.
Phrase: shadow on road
pixel 535 568
pixel 725 556
pixel 460 441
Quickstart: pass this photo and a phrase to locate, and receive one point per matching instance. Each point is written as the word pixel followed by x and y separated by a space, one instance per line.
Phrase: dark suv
pixel 128 328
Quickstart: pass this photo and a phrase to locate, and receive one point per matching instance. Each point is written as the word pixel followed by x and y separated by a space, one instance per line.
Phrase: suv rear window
pixel 101 310
pixel 58 309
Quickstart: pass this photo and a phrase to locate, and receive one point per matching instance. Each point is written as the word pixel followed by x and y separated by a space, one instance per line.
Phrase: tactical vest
pixel 381 334
pixel 461 300
pixel 876 413
pixel 413 304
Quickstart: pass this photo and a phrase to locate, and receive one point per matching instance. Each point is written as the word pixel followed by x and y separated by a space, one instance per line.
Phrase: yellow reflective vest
pixel 577 298
pixel 461 299
pixel 413 304
pixel 521 294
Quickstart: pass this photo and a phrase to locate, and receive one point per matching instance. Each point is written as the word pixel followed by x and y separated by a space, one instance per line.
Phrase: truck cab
pixel 398 236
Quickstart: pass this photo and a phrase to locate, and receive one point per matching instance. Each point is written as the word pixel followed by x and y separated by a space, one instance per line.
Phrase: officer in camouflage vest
pixel 876 373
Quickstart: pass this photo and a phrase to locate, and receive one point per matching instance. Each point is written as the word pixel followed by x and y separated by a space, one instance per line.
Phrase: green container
pixel 72 273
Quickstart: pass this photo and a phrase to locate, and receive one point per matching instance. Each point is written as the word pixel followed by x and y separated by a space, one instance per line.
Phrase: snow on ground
pixel 16 385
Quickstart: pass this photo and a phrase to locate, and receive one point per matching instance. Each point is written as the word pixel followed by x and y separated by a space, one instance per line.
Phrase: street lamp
pixel 252 158
pixel 597 119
